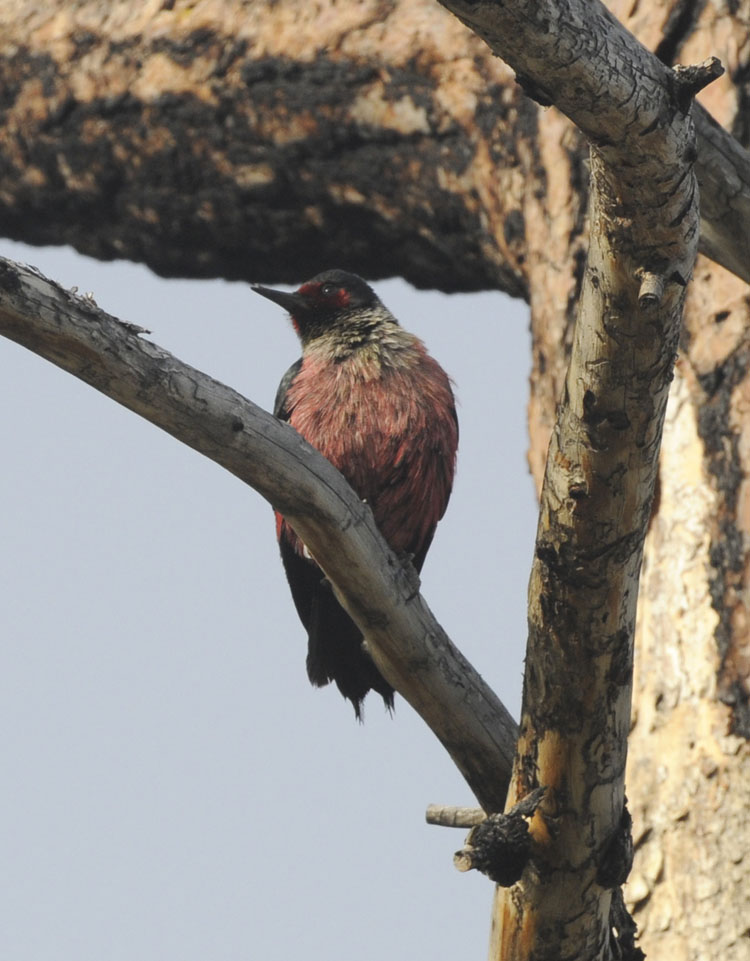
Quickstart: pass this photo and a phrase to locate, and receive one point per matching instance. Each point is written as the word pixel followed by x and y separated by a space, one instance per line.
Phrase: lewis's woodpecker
pixel 370 398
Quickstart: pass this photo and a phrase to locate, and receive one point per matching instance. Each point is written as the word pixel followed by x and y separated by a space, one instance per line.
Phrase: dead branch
pixel 454 817
pixel 409 646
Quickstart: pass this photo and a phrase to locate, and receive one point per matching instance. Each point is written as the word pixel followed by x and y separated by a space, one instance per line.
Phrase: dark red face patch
pixel 326 295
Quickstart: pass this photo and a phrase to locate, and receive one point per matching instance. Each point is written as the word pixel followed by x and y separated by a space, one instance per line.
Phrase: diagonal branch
pixel 723 172
pixel 408 645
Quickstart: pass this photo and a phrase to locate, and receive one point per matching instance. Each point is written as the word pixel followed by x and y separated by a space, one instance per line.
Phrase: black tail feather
pixel 335 649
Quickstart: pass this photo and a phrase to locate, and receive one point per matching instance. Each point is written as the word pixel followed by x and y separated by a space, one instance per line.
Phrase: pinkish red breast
pixel 392 434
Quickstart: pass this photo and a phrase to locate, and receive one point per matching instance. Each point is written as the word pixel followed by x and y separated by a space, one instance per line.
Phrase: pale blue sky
pixel 173 788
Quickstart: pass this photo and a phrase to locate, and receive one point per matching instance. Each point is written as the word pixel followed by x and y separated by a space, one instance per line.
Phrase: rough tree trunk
pixel 688 774
pixel 261 141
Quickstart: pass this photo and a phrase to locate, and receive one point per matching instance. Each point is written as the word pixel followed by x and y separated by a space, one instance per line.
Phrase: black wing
pixel 280 409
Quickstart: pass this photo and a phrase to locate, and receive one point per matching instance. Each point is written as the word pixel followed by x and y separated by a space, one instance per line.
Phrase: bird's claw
pixel 410 574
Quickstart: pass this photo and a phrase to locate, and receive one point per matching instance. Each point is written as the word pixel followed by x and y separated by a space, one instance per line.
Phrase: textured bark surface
pixel 688 775
pixel 688 772
pixel 199 138
pixel 601 465
pixel 267 141
pixel 264 140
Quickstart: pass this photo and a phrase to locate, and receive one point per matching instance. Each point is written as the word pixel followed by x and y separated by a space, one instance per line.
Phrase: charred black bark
pixel 266 171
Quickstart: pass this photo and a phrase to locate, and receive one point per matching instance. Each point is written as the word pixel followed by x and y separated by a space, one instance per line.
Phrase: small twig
pixel 651 290
pixel 448 816
pixel 691 80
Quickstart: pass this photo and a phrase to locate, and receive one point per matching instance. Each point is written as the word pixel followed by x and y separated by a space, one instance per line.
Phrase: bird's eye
pixel 328 290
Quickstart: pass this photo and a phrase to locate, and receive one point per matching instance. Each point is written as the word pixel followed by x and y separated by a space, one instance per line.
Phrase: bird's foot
pixel 410 574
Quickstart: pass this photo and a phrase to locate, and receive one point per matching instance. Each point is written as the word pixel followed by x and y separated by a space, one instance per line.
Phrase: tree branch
pixel 197 140
pixel 723 172
pixel 261 142
pixel 447 816
pixel 408 645
pixel 557 50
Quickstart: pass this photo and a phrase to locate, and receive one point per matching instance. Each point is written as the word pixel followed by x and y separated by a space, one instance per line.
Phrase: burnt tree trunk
pixel 266 141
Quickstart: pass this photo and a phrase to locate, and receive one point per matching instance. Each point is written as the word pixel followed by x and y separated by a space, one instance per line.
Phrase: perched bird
pixel 370 398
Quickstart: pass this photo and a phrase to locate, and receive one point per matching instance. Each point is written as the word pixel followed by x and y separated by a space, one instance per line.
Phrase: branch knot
pixel 500 846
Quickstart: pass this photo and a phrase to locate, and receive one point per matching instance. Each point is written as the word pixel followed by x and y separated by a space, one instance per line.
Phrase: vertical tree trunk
pixel 688 775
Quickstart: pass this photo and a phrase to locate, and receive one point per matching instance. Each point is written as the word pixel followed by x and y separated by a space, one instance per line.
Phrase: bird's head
pixel 335 305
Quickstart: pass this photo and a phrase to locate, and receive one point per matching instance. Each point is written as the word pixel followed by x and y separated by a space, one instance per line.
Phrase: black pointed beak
pixel 293 302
